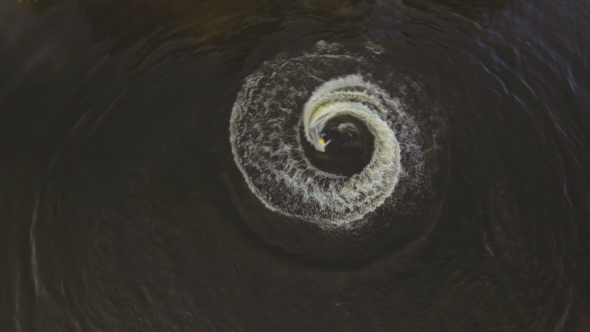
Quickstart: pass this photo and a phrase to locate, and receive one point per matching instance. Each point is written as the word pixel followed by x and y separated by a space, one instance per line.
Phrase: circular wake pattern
pixel 295 111
pixel 275 165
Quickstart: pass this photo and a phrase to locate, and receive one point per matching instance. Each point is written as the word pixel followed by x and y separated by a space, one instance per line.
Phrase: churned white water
pixel 265 133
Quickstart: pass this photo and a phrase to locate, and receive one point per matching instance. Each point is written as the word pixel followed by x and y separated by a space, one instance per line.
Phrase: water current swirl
pixel 343 199
pixel 291 111
pixel 210 166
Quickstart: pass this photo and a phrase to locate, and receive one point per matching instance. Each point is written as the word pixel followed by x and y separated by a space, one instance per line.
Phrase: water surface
pixel 121 207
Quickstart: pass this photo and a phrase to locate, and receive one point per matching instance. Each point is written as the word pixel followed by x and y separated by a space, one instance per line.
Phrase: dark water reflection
pixel 114 208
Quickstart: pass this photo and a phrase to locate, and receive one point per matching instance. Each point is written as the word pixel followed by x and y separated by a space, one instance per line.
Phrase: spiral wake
pixel 298 121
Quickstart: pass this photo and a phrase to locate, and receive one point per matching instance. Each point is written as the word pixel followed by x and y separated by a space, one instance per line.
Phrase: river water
pixel 159 168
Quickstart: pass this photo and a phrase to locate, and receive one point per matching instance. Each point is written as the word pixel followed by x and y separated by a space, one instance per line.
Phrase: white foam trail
pixel 270 156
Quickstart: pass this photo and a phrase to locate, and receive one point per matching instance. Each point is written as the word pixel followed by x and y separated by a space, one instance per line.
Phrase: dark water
pixel 121 208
